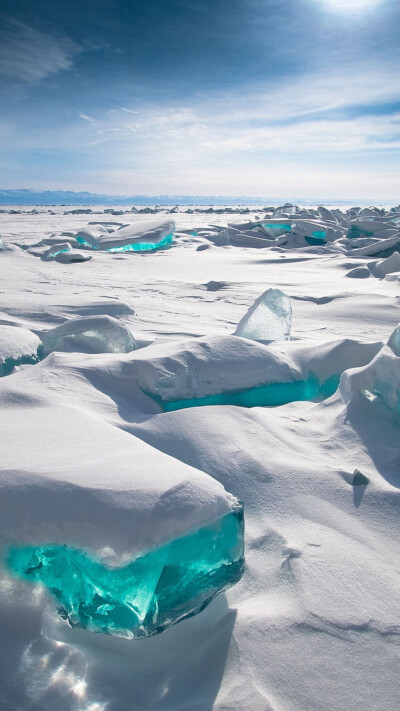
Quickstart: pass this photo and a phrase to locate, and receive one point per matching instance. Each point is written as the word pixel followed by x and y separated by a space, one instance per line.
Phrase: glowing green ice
pixel 60 251
pixel 355 231
pixel 274 226
pixel 8 364
pixel 317 238
pixel 270 395
pixel 134 246
pixel 148 594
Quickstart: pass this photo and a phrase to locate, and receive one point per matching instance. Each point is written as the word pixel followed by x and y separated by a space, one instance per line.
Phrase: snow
pixel 90 458
pixel 17 346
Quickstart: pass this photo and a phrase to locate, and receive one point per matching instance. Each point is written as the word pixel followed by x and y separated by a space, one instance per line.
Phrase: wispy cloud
pixel 29 55
pixel 313 114
pixel 85 117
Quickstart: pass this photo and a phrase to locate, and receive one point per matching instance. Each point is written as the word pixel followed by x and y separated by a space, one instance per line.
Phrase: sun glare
pixel 351 6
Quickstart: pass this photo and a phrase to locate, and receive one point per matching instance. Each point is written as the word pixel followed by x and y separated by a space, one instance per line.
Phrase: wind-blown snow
pixel 98 452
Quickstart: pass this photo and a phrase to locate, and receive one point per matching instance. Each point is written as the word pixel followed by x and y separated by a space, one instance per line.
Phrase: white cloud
pixel 313 115
pixel 30 55
pixel 312 135
pixel 317 135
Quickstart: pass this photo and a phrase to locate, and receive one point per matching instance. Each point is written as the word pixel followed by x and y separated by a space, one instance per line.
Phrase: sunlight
pixel 351 6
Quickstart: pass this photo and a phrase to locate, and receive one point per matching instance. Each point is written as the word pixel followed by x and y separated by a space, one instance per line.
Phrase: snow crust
pixel 90 459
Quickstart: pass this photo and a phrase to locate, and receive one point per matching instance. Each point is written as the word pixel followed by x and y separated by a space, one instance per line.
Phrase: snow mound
pixel 380 378
pixel 112 494
pixel 243 372
pixel 18 346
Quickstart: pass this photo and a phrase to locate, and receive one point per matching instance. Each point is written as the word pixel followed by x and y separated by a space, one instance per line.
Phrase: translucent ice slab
pixel 268 319
pixel 318 237
pixel 55 249
pixel 143 246
pixel 276 229
pixel 270 395
pixel 137 237
pixel 92 334
pixel 148 594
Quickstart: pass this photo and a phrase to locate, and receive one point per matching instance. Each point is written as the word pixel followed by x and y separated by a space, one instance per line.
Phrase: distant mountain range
pixel 69 197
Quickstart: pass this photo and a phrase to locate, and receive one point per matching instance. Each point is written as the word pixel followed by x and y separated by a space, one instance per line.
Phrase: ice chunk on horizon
pixel 138 237
pixel 386 266
pixel 58 248
pixel 268 319
pixel 91 334
pixel 72 256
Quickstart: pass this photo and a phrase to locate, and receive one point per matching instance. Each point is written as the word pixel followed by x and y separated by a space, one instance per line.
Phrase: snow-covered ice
pixel 18 346
pixel 133 422
pixel 93 334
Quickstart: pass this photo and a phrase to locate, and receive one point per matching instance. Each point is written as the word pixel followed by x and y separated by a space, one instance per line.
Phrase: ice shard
pixel 148 594
pixel 394 341
pixel 18 346
pixel 55 249
pixel 268 319
pixel 379 379
pixel 386 266
pixel 91 334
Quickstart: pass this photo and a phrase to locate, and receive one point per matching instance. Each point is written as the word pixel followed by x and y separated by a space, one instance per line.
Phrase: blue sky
pixel 246 97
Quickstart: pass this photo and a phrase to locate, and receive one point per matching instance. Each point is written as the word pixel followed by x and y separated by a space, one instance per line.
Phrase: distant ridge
pixel 69 197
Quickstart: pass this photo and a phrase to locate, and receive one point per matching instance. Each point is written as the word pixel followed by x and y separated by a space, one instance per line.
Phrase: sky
pixel 206 97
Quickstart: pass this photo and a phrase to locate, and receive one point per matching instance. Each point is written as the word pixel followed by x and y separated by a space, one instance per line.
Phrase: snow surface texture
pixel 93 458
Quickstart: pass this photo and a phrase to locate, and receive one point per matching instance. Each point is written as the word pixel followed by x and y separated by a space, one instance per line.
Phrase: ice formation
pixel 55 249
pixel 136 237
pixel 269 395
pixel 386 266
pixel 126 538
pixel 90 334
pixel 394 341
pixel 211 372
pixel 268 319
pixel 18 346
pixel 72 256
pixel 154 591
pixel 110 460
pixel 380 378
